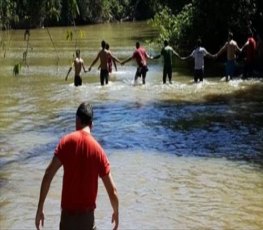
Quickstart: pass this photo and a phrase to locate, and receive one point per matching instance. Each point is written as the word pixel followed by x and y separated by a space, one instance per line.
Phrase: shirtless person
pixel 110 61
pixel 104 56
pixel 231 49
pixel 78 63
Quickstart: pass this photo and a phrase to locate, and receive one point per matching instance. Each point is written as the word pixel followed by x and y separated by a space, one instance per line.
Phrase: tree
pixel 207 19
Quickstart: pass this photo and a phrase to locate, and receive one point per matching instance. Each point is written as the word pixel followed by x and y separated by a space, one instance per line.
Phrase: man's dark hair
pixel 85 113
pixel 250 33
pixel 103 44
pixel 107 46
pixel 199 42
pixel 165 43
pixel 137 45
pixel 230 35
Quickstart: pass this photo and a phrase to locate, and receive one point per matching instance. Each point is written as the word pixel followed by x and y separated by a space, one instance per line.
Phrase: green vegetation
pixel 209 20
pixel 179 21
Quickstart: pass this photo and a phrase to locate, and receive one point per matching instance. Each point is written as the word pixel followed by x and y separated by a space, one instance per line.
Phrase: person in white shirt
pixel 198 54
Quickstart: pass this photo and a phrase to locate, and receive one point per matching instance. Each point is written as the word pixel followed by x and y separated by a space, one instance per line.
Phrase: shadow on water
pixel 228 126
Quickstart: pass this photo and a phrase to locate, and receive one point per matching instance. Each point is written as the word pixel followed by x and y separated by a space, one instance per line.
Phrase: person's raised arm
pixel 113 196
pixel 50 172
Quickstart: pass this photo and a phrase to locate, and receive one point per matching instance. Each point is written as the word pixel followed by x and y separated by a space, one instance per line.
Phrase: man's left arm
pixel 83 67
pixel 113 195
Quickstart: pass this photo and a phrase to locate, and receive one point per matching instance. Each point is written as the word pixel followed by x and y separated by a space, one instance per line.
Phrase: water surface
pixel 184 156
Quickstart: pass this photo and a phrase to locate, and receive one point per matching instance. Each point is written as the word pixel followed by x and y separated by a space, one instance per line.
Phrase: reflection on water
pixel 184 156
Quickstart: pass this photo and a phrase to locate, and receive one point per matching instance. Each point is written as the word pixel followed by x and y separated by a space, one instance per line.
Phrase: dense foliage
pixel 209 20
pixel 34 13
pixel 179 21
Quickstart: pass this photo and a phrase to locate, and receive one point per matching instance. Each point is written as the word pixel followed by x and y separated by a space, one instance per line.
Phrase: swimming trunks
pixel 230 68
pixel 77 80
pixel 141 71
pixel 104 76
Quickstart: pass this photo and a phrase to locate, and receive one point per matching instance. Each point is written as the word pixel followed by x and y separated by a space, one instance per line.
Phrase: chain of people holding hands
pixel 140 55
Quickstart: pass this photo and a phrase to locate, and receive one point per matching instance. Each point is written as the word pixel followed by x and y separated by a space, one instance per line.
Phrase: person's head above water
pixel 78 53
pixel 107 46
pixel 84 115
pixel 103 44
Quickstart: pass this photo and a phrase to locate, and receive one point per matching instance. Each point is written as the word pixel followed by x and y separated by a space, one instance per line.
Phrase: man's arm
pixel 51 170
pixel 176 54
pixel 94 62
pixel 157 56
pixel 238 49
pixel 127 60
pixel 189 56
pixel 66 78
pixel 208 54
pixel 115 65
pixel 221 50
pixel 115 59
pixel 244 46
pixel 83 66
pixel 148 56
pixel 113 195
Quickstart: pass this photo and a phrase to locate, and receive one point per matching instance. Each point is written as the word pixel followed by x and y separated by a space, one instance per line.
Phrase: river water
pixel 184 156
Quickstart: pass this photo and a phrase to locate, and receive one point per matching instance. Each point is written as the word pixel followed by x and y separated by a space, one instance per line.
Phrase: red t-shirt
pixel 251 49
pixel 140 56
pixel 84 161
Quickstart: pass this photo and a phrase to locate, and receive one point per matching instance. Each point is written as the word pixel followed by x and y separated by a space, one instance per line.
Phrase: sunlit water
pixel 184 156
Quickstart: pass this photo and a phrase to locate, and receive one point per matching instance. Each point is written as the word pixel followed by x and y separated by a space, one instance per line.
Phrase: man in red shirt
pixel 250 55
pixel 84 161
pixel 141 56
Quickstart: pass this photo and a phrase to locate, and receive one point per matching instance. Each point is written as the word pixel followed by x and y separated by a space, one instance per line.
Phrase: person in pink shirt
pixel 140 56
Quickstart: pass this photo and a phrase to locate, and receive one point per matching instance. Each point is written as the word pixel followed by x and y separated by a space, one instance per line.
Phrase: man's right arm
pixel 221 50
pixel 51 170
pixel 113 195
pixel 95 60
pixel 66 78
pixel 127 60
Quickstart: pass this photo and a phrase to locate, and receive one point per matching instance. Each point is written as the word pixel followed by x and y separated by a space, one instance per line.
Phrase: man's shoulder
pixel 233 42
pixel 78 60
pixel 71 135
pixel 104 52
pixel 203 49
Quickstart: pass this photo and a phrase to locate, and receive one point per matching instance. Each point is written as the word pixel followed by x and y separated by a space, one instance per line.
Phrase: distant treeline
pixel 179 21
